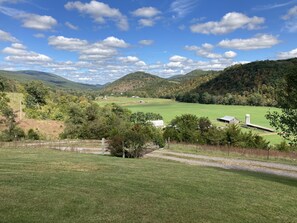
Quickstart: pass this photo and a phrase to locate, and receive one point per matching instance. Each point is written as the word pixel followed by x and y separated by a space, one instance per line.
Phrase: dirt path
pixel 227 163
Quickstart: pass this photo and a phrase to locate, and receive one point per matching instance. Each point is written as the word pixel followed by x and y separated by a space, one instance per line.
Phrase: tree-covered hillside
pixel 148 85
pixel 254 83
pixel 51 80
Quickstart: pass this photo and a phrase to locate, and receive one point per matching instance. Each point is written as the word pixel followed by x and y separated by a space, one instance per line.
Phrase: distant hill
pixel 48 79
pixel 192 75
pixel 148 85
pixel 140 84
pixel 251 77
pixel 256 83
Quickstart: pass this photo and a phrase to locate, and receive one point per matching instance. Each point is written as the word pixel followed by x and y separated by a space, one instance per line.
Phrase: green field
pixel 39 185
pixel 169 109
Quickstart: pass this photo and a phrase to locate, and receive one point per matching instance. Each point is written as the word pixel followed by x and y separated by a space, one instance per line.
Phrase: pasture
pixel 169 109
pixel 41 185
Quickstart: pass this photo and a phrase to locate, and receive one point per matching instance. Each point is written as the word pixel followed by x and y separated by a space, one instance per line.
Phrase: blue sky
pixel 100 41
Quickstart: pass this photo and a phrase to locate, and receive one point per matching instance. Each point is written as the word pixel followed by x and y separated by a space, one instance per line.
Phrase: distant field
pixel 169 109
pixel 38 185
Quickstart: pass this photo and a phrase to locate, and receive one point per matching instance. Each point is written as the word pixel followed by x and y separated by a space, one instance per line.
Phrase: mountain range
pixel 237 79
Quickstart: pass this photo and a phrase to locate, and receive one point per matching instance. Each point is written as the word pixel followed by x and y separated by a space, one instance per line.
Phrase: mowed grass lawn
pixel 39 185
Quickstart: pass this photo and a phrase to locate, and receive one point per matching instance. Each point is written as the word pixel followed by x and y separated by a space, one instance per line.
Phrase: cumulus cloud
pixel 146 22
pixel 7 37
pixel 230 54
pixel 100 12
pixel 149 16
pixel 258 42
pixel 132 59
pixel 29 20
pixel 146 42
pixel 287 55
pixel 18 53
pixel 71 26
pixel 229 23
pixel 177 58
pixel 115 42
pixel 64 43
pixel 146 12
pixel 206 51
pixel 100 50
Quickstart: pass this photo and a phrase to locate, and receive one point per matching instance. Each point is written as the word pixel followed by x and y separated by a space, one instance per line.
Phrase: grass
pixel 52 186
pixel 238 153
pixel 169 109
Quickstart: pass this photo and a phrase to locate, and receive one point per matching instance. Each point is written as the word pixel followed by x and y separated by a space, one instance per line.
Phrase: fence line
pixel 56 144
pixel 242 151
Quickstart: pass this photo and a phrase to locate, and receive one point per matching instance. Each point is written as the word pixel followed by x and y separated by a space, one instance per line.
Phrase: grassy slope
pixel 53 186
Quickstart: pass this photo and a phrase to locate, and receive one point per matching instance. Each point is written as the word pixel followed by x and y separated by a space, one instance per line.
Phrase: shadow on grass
pixel 289 181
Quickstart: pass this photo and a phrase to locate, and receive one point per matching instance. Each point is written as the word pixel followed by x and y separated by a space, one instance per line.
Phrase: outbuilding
pixel 229 120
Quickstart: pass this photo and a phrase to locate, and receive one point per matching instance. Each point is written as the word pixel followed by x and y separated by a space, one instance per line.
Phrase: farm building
pixel 229 120
pixel 157 123
pixel 249 124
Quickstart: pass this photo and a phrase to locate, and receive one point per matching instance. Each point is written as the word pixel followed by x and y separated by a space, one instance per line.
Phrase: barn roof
pixel 227 118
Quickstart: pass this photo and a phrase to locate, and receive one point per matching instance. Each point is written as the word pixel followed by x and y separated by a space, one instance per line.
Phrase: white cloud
pixel 147 12
pixel 258 42
pixel 146 42
pixel 39 35
pixel 230 54
pixel 115 42
pixel 204 51
pixel 291 20
pixel 7 37
pixel 291 13
pixel 19 54
pixel 132 59
pixel 99 51
pixel 149 16
pixel 177 58
pixel 38 22
pixel 287 55
pixel 146 22
pixel 129 59
pixel 274 6
pixel 71 26
pixel 64 43
pixel 183 7
pixel 29 20
pixel 100 12
pixel 229 23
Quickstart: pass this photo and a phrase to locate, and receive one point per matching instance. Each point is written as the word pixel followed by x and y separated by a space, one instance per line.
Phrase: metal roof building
pixel 229 119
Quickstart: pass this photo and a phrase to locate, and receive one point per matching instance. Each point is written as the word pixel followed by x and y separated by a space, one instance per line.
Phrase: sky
pixel 99 41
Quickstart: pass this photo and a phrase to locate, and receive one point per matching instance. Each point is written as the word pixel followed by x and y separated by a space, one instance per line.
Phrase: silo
pixel 247 119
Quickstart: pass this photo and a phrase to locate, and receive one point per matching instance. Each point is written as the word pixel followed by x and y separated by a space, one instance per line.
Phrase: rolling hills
pixel 148 85
pixel 48 79
pixel 249 77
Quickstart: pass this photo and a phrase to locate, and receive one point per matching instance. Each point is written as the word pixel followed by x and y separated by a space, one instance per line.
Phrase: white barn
pixel 157 123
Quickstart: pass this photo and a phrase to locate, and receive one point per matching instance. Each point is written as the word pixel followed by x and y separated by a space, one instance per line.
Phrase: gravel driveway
pixel 227 163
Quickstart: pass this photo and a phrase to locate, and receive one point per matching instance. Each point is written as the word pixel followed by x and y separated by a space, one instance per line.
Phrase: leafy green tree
pixel 13 132
pixel 36 94
pixel 286 120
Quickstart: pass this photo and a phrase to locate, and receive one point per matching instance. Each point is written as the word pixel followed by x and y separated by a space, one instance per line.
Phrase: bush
pixel 13 134
pixel 32 135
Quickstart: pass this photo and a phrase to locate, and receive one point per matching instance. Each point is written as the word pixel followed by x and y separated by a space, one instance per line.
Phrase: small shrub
pixel 33 135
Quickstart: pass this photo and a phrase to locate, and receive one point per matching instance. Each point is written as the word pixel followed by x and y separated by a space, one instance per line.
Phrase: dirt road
pixel 227 163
